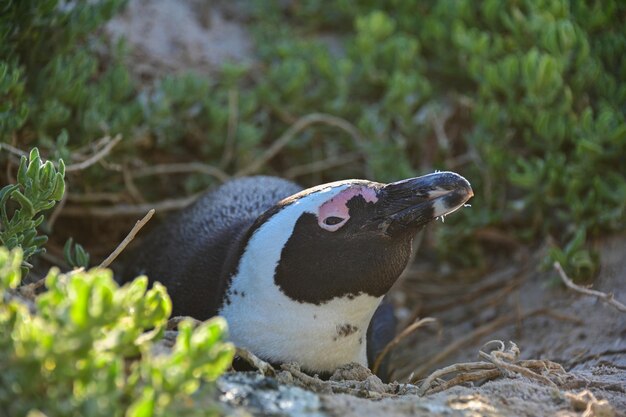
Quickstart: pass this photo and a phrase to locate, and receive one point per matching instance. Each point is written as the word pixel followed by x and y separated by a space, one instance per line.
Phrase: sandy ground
pixel 584 335
pixel 175 36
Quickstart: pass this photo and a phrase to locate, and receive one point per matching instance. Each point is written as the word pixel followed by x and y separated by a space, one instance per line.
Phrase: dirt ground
pixel 584 335
pixel 547 322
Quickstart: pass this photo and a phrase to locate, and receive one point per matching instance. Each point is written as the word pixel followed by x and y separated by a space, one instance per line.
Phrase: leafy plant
pixel 39 186
pixel 75 255
pixel 90 348
pixel 523 98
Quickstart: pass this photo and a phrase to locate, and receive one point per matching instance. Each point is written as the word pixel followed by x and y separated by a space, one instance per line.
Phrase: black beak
pixel 410 204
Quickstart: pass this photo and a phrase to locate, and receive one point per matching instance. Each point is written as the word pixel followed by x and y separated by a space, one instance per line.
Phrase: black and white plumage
pixel 297 274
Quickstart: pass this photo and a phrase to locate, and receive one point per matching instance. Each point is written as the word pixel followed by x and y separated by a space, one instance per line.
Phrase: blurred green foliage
pixel 39 186
pixel 524 98
pixel 75 254
pixel 88 348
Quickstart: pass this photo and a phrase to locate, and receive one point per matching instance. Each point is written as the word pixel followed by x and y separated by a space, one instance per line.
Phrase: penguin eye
pixel 332 220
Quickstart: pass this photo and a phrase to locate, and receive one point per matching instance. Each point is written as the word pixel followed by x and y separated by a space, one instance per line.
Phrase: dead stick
pixel 131 235
pixel 516 369
pixel 463 378
pixel 253 360
pixel 95 157
pixel 476 334
pixel 457 367
pixel 298 126
pixel 459 343
pixel 607 298
pixel 182 168
pixel 129 209
pixel 394 342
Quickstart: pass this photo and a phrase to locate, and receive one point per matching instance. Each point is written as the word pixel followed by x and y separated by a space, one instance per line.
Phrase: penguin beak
pixel 410 204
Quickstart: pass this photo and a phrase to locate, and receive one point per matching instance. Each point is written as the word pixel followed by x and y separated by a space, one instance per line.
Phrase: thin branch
pixel 13 150
pixel 455 368
pixel 494 358
pixel 607 298
pixel 182 168
pixel 57 210
pixel 95 198
pixel 253 360
pixel 95 157
pixel 131 187
pixel 499 362
pixel 477 334
pixel 394 342
pixel 233 117
pixel 298 126
pixel 129 209
pixel 464 378
pixel 459 343
pixel 131 235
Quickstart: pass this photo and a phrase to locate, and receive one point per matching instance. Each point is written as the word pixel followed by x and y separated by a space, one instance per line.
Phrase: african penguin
pixel 298 274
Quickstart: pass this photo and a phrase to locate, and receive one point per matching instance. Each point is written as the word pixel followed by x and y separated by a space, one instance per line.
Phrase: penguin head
pixel 350 237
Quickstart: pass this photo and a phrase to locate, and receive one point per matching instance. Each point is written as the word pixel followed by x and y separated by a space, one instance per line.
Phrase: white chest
pixel 277 328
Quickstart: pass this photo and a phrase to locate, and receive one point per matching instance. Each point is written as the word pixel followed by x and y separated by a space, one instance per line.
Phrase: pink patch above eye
pixel 337 206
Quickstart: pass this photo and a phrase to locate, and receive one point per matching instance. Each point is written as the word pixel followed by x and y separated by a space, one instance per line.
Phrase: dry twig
pixel 128 209
pixel 455 368
pixel 233 117
pixel 95 198
pixel 477 334
pixel 57 210
pixel 498 362
pixel 131 235
pixel 130 185
pixel 110 143
pixel 399 337
pixel 298 126
pixel 480 375
pixel 182 168
pixel 502 359
pixel 459 343
pixel 263 367
pixel 13 150
pixel 606 297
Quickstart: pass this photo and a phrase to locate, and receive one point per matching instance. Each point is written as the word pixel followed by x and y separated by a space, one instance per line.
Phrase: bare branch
pixel 13 150
pixel 95 157
pixel 399 337
pixel 131 235
pixel 455 368
pixel 129 209
pixel 182 168
pixel 606 297
pixel 298 126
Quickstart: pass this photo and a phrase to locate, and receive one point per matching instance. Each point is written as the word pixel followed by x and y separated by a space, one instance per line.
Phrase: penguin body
pixel 298 275
pixel 192 253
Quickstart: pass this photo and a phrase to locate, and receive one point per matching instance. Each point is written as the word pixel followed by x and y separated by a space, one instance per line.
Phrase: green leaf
pixel 28 210
pixel 59 185
pixel 144 405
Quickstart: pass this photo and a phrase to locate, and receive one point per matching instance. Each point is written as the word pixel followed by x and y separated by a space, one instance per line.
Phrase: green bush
pixel 88 348
pixel 541 82
pixel 39 186
pixel 523 98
